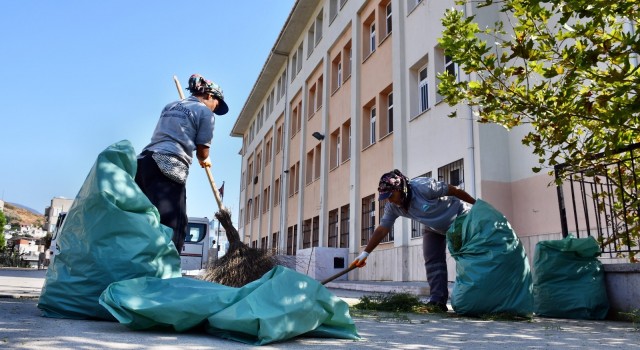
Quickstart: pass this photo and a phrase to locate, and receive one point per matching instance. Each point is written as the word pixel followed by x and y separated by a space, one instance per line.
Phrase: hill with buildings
pixel 18 215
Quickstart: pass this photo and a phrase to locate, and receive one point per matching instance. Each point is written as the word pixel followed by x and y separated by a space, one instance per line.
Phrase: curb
pixel 18 296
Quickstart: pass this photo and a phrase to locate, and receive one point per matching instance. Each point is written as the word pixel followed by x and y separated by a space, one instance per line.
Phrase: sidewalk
pixel 22 327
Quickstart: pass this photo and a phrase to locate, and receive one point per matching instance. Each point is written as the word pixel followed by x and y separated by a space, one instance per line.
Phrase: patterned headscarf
pixel 199 85
pixel 392 181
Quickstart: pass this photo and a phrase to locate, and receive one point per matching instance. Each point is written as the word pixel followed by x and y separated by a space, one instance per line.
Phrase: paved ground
pixel 22 327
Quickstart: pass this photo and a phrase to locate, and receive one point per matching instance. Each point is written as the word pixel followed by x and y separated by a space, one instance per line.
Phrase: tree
pixel 569 70
pixel 3 222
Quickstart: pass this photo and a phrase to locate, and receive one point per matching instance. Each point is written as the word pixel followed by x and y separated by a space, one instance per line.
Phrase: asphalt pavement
pixel 23 327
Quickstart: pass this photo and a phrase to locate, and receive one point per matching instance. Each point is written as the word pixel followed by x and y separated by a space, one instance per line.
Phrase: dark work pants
pixel 435 262
pixel 168 196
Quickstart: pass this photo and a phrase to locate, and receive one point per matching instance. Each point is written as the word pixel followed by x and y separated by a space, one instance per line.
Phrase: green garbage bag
pixel 492 271
pixel 281 305
pixel 112 232
pixel 568 279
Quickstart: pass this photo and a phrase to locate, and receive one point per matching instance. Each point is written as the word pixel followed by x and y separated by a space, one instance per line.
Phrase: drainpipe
pixel 284 177
pixel 471 184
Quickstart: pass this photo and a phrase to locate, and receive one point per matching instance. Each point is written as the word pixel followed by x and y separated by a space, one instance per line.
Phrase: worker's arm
pixel 378 235
pixel 461 194
pixel 202 152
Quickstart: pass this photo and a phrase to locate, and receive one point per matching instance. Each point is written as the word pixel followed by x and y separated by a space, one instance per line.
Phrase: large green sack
pixel 282 304
pixel 568 279
pixel 111 233
pixel 492 271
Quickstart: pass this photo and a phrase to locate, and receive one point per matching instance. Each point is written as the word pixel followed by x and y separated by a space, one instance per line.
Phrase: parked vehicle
pixel 54 249
pixel 198 244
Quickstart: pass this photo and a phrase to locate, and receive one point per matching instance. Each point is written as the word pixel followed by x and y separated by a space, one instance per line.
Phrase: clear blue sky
pixel 79 75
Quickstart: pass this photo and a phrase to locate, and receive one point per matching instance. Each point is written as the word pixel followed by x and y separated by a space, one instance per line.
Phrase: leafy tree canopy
pixel 567 68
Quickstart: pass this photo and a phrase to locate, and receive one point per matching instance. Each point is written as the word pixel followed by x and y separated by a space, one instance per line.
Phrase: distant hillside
pixel 18 215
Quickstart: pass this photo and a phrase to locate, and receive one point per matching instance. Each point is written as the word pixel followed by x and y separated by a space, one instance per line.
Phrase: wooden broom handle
pixel 175 79
pixel 216 193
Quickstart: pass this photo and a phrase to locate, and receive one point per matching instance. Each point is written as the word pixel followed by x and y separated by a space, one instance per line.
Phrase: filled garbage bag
pixel 282 304
pixel 568 279
pixel 111 233
pixel 492 271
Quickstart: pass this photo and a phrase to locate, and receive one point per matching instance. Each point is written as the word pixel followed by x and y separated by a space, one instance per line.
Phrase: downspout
pixel 470 185
pixel 285 159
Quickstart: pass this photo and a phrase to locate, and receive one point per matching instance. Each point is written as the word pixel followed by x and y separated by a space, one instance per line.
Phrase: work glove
pixel 205 163
pixel 360 261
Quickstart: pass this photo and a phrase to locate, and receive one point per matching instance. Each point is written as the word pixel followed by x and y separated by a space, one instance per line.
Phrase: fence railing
pixel 601 200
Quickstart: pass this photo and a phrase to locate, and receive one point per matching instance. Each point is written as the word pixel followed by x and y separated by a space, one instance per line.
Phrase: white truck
pixel 198 245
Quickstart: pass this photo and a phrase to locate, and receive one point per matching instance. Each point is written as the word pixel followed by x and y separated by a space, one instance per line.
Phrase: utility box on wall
pixel 322 262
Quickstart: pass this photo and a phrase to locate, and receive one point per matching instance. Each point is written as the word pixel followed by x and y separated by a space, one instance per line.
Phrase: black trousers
pixel 168 196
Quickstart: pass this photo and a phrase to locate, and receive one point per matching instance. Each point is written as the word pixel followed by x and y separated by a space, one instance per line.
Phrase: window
pixel 319 93
pixel 333 10
pixel 347 63
pixel 256 207
pixel 292 240
pixel 292 181
pixel 372 38
pixel 249 211
pixel 279 139
pixel 258 163
pixel 271 102
pixel 295 120
pixel 309 172
pixel 294 65
pixel 452 173
pixel 265 199
pixel 195 232
pixel 315 234
pixel 276 193
pixel 306 234
pixel 344 226
pixel 310 40
pixel 335 154
pixel 318 26
pixel 450 67
pixel 390 113
pixel 423 88
pixel 336 72
pixel 250 174
pixel 311 102
pixel 275 240
pixel 299 63
pixel 368 219
pixel 317 162
pixel 372 126
pixel 263 242
pixel 389 18
pixel 346 135
pixel 267 152
pixel 297 177
pixel 333 229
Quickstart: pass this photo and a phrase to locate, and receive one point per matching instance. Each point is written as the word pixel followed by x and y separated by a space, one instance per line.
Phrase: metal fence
pixel 601 200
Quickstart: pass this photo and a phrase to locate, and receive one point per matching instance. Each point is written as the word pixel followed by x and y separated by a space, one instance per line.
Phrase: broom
pixel 241 264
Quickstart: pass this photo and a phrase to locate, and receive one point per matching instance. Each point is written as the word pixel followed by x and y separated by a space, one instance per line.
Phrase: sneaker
pixel 436 307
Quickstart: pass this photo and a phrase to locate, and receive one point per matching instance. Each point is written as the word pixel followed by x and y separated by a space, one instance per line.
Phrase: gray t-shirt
pixel 429 205
pixel 183 125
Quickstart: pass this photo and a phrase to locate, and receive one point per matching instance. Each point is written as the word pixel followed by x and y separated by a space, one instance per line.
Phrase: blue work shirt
pixel 430 205
pixel 183 125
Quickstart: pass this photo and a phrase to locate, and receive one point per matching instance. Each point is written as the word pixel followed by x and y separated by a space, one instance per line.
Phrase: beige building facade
pixel 348 93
